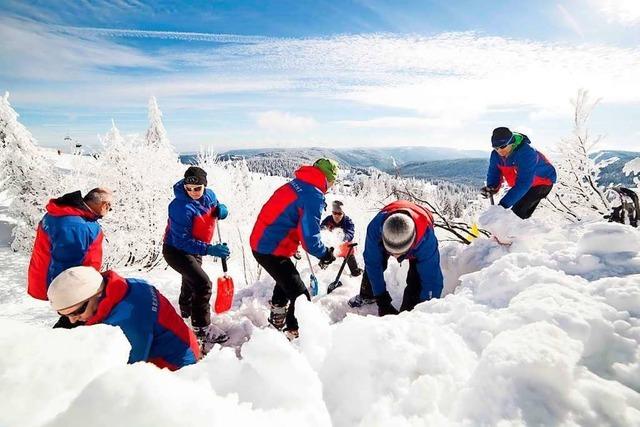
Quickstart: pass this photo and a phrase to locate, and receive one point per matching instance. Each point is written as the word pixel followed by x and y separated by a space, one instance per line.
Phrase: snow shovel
pixel 337 283
pixel 312 279
pixel 224 295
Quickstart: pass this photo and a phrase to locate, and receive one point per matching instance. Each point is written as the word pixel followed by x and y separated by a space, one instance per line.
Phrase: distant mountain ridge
pixel 430 163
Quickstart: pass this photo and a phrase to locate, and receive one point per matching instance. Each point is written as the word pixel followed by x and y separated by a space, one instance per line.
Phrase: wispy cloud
pixel 280 121
pixel 625 12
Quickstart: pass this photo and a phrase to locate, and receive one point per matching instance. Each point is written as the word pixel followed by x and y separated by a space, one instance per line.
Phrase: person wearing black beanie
pixel 527 172
pixel 193 216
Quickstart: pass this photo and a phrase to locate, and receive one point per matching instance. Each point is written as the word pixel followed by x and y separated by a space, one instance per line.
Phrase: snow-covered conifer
pixel 25 173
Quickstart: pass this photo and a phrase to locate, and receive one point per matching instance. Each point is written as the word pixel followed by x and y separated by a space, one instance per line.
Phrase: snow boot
pixel 208 336
pixel 358 301
pixel 357 272
pixel 278 315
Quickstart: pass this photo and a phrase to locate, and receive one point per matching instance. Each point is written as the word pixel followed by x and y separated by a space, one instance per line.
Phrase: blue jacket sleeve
pixel 181 224
pixel 348 228
pixel 310 225
pixel 374 254
pixel 494 176
pixel 525 160
pixel 138 333
pixel 428 258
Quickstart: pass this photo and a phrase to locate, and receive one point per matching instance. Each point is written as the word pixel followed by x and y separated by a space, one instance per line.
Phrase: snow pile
pixel 544 331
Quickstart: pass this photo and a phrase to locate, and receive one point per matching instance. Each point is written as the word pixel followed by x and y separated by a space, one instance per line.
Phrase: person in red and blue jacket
pixel 338 219
pixel 403 230
pixel 289 218
pixel 67 236
pixel 152 326
pixel 193 215
pixel 527 171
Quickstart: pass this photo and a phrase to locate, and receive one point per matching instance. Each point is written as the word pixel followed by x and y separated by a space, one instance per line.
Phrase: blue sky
pixel 234 74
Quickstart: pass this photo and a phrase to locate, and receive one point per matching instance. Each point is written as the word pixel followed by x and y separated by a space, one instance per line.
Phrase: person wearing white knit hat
pixel 152 326
pixel 403 230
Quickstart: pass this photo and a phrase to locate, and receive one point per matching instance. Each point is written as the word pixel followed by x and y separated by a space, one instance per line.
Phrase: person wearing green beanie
pixel 329 168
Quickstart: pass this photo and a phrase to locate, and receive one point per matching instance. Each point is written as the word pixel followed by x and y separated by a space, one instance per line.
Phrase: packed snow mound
pixel 545 331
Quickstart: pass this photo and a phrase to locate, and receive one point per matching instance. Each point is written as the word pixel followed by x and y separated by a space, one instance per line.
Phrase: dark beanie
pixel 195 176
pixel 501 136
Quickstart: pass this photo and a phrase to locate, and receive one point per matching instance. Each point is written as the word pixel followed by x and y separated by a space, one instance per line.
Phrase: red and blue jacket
pixel 292 216
pixel 191 222
pixel 523 168
pixel 346 224
pixel 424 250
pixel 157 333
pixel 67 236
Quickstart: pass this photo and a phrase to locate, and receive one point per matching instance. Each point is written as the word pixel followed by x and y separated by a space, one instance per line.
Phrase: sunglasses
pixel 338 213
pixel 502 147
pixel 79 311
pixel 194 189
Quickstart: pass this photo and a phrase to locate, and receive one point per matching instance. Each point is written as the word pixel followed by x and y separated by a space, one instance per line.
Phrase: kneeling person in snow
pixel 527 171
pixel 156 332
pixel 291 217
pixel 403 230
pixel 338 219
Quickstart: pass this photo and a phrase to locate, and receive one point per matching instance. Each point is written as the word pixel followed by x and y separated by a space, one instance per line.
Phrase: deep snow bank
pixel 545 331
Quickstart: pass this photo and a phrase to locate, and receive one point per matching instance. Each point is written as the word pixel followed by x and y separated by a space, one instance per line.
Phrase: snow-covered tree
pixel 141 176
pixel 577 195
pixel 27 176
pixel 156 136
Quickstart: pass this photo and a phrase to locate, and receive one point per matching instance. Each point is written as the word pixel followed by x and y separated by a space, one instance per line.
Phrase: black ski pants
pixel 195 293
pixel 411 296
pixel 525 207
pixel 289 285
pixel 352 263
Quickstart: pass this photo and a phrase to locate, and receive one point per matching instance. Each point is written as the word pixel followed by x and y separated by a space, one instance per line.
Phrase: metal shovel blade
pixel 333 286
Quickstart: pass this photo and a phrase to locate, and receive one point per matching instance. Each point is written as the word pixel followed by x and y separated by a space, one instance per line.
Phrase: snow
pixel 544 331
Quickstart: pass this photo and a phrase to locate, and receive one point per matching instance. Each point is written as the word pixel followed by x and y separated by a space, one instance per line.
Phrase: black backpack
pixel 626 207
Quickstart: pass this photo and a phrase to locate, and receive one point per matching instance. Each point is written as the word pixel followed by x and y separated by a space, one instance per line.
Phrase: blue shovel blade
pixel 314 286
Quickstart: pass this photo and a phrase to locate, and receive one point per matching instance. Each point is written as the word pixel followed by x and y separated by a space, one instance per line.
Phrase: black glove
pixel 487 191
pixel 384 304
pixel 327 258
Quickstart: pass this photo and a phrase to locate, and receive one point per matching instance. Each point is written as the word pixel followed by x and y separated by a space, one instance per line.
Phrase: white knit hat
pixel 398 233
pixel 73 286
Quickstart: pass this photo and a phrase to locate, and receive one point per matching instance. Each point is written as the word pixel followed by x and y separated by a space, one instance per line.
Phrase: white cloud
pixel 279 121
pixel 625 12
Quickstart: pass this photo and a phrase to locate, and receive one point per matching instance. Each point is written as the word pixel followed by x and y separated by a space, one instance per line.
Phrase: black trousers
pixel 289 285
pixel 195 293
pixel 525 207
pixel 352 263
pixel 411 296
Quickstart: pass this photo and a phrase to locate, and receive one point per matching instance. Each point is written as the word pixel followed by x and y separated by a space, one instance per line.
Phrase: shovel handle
pixel 223 259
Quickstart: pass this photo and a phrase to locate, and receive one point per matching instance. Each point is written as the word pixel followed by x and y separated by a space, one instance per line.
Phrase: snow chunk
pixel 609 237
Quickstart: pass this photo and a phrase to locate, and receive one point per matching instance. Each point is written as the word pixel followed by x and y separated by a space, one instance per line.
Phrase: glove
pixel 327 258
pixel 219 250
pixel 486 191
pixel 222 211
pixel 384 304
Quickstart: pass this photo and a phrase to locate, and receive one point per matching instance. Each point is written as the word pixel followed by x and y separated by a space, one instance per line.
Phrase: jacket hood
pixel 70 204
pixel 313 176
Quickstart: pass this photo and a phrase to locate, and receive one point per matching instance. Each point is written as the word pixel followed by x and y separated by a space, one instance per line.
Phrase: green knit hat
pixel 328 167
